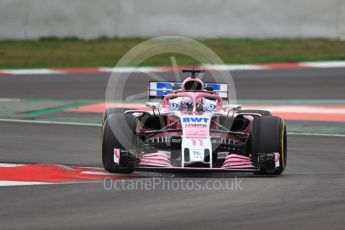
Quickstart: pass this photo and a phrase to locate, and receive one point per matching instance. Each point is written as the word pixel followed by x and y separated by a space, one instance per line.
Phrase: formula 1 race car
pixel 191 129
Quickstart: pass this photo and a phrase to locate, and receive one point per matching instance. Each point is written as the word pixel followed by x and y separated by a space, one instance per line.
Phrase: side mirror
pixel 153 105
pixel 231 107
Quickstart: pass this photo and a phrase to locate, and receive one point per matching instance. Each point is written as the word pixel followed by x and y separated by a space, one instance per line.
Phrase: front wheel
pixel 110 111
pixel 268 144
pixel 118 150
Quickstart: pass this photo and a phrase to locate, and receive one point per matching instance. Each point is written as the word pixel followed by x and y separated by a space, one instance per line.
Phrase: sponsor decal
pixel 215 87
pixel 195 127
pixel 174 106
pixel 195 120
pixel 212 107
pixel 196 133
pixel 164 88
pixel 196 155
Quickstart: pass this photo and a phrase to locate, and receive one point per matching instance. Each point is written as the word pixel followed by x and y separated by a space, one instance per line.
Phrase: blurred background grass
pixel 74 53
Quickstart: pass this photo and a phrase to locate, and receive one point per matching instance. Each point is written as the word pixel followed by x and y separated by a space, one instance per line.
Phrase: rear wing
pixel 158 90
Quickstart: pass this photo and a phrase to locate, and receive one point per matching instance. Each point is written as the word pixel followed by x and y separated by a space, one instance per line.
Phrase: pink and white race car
pixel 191 129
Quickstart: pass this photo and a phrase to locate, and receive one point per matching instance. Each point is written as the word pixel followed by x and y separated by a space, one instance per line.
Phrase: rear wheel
pixel 125 126
pixel 267 139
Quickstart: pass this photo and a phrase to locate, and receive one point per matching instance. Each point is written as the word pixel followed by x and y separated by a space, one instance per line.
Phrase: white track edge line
pixel 50 122
pixel 231 67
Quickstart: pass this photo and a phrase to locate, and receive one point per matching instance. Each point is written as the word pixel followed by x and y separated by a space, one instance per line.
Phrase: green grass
pixel 69 53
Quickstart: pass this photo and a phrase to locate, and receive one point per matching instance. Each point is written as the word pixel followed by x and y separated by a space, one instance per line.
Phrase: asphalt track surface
pixel 263 84
pixel 310 194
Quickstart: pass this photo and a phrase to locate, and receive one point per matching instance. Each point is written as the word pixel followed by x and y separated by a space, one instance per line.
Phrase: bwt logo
pixel 195 119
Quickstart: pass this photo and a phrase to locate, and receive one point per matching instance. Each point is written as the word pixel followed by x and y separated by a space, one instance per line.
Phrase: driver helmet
pixel 187 104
